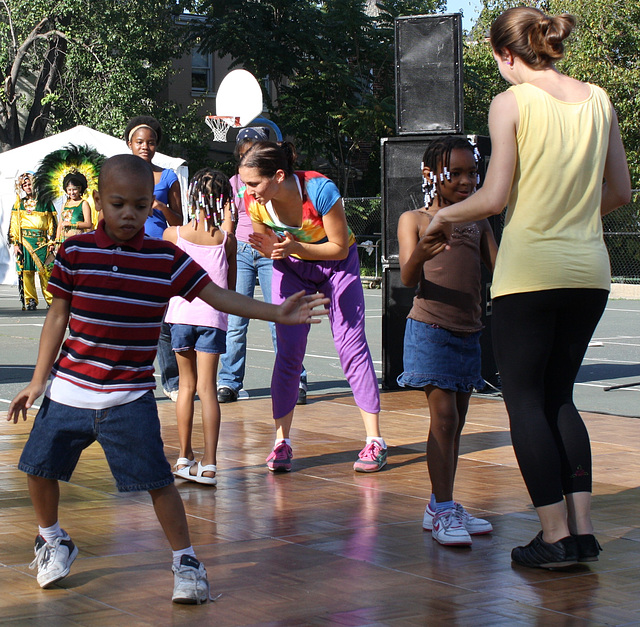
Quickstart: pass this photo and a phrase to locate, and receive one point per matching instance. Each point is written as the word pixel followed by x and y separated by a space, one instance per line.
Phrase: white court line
pixel 623 310
pixel 4 400
pixel 330 357
pixel 609 361
pixel 22 324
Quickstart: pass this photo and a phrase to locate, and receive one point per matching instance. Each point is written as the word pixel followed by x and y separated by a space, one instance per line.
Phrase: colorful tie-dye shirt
pixel 319 194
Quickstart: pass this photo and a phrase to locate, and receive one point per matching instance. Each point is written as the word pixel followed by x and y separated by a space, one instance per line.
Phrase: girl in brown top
pixel 442 336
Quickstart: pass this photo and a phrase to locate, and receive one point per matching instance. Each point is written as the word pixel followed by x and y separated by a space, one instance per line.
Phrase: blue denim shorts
pixel 129 435
pixel 435 356
pixel 203 339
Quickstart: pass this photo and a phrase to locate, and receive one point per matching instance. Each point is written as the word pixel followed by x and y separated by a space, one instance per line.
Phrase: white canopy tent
pixel 27 158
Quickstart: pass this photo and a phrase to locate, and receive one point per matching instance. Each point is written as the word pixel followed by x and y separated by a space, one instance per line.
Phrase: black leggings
pixel 539 341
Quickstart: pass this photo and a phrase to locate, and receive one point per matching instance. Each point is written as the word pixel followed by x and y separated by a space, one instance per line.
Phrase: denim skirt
pixel 435 356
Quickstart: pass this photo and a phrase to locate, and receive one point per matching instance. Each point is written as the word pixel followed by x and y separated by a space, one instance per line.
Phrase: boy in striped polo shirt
pixel 111 287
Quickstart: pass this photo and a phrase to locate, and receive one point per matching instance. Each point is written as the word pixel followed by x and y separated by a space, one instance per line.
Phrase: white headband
pixel 135 128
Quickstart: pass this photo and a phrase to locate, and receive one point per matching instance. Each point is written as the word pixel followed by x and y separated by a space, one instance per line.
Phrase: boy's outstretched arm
pixel 297 309
pixel 53 330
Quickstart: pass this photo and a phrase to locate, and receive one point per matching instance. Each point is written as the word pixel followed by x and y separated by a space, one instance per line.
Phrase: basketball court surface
pixel 323 545
pixel 612 359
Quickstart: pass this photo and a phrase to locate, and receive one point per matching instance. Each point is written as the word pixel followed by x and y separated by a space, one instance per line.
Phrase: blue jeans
pixel 251 267
pixel 167 360
pixel 186 337
pixel 129 435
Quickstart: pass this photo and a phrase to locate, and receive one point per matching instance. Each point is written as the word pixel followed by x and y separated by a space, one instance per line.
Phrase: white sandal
pixel 186 464
pixel 200 478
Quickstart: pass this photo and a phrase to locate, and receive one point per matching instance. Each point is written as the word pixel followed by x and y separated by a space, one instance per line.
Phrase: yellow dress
pixel 33 228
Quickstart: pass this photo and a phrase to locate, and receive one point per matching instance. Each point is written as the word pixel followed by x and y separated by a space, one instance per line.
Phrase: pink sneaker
pixel 371 458
pixel 280 458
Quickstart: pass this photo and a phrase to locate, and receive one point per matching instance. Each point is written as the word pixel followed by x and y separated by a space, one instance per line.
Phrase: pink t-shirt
pixel 198 313
pixel 243 225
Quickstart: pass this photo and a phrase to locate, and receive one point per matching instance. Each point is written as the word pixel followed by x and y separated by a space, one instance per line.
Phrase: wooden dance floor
pixel 324 545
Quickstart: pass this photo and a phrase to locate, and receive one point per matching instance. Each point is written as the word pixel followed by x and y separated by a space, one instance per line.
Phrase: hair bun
pixel 546 40
pixel 532 35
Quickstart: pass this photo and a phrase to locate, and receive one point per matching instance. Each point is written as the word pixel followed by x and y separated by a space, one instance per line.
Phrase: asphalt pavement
pixel 612 359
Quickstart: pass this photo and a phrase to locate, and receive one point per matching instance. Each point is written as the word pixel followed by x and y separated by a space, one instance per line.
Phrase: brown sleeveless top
pixel 448 294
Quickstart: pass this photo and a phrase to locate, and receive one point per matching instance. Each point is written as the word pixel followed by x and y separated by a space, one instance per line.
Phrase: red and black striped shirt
pixel 118 294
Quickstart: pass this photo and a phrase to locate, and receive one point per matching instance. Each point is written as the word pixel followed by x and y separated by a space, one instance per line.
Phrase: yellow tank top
pixel 552 236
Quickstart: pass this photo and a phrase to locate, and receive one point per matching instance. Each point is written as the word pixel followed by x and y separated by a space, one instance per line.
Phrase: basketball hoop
pixel 220 125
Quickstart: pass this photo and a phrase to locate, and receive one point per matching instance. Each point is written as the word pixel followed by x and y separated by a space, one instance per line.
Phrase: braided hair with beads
pixel 437 158
pixel 209 194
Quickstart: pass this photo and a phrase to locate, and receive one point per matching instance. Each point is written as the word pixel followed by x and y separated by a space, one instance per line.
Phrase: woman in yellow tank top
pixel 558 164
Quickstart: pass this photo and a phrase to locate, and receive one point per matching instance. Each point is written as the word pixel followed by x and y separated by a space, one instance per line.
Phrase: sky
pixel 470 10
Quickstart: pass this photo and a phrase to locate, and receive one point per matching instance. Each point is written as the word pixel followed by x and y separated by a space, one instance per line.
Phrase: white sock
pixel 378 439
pixel 285 440
pixel 178 554
pixel 51 533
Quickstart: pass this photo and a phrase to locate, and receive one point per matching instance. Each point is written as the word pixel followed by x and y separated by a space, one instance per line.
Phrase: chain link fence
pixel 364 216
pixel 621 235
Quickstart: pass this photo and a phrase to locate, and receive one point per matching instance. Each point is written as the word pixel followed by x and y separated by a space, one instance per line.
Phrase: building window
pixel 201 72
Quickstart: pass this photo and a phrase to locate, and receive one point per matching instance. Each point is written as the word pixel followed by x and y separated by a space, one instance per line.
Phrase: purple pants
pixel 340 282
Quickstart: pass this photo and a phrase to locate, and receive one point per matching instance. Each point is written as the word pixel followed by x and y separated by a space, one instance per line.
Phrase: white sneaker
pixel 448 529
pixel 190 583
pixel 427 520
pixel 53 560
pixel 474 526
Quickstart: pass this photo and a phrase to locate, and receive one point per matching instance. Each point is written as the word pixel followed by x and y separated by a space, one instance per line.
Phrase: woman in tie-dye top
pixel 299 222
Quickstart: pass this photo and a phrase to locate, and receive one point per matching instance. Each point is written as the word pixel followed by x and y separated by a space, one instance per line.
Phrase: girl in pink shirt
pixel 198 332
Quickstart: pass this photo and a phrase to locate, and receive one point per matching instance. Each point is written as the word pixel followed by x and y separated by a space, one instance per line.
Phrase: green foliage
pixel 116 58
pixel 333 67
pixel 270 39
pixel 116 72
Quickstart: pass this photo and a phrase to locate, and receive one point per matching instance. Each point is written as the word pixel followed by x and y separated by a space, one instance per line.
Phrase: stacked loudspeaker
pixel 429 104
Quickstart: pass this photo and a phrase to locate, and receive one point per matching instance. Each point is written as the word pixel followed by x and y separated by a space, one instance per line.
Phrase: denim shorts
pixel 435 356
pixel 203 339
pixel 129 435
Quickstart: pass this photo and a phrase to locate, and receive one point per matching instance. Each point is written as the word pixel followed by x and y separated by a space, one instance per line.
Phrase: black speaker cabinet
pixel 396 303
pixel 429 95
pixel 401 191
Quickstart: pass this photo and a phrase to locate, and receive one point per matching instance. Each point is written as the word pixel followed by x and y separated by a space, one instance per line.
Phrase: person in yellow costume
pixel 32 233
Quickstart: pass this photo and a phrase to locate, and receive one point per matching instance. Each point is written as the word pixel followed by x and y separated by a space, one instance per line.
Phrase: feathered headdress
pixel 49 178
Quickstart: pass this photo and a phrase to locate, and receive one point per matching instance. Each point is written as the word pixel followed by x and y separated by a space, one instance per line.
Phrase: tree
pixel 333 67
pixel 32 52
pixel 97 63
pixel 271 39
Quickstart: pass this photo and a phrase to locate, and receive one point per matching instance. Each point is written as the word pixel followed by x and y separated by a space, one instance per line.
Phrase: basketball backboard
pixel 239 96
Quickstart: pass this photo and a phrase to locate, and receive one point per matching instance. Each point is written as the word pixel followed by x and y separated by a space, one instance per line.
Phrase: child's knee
pixel 445 427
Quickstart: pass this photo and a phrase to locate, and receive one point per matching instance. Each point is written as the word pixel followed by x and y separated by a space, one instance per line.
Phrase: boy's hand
pixel 23 401
pixel 300 309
